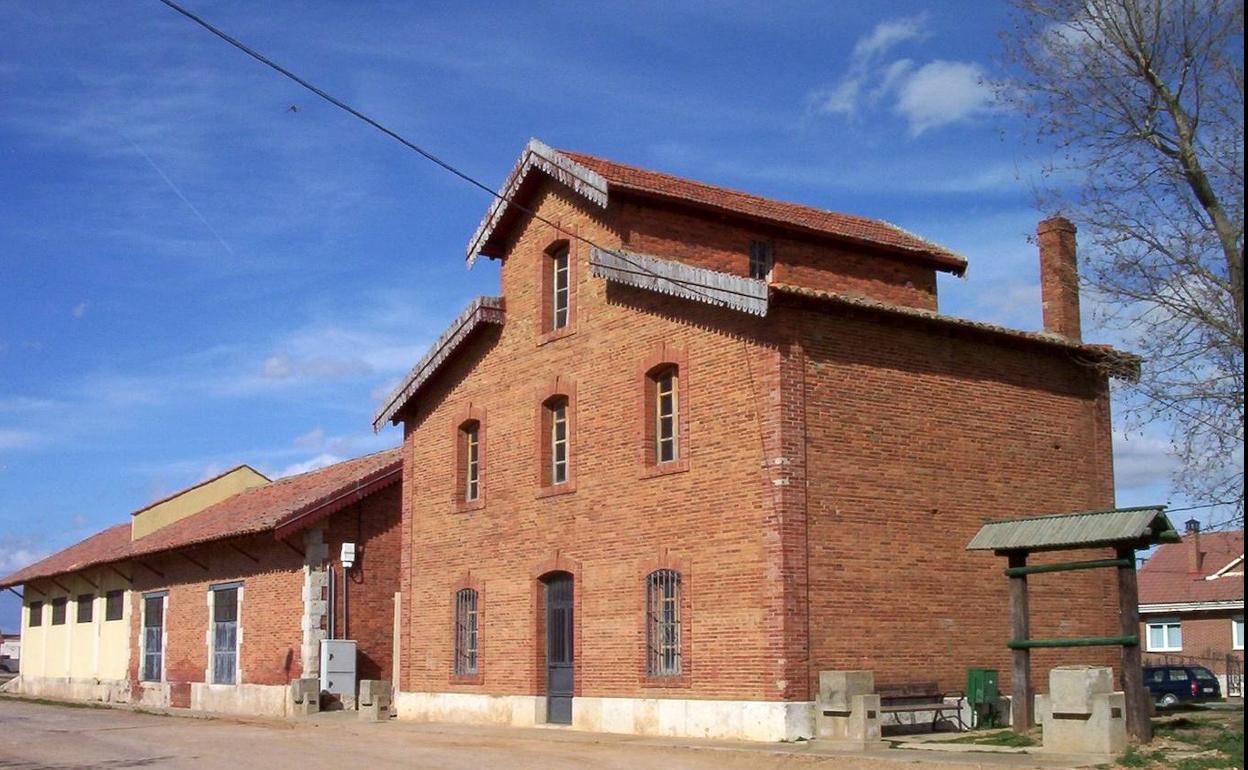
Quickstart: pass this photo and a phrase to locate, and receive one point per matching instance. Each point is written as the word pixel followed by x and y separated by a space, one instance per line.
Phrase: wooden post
pixel 1020 629
pixel 1139 722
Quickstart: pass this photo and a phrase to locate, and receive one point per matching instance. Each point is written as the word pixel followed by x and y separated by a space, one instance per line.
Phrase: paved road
pixel 35 736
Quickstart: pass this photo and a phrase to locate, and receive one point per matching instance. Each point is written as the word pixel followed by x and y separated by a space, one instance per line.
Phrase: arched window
pixel 466 632
pixel 666 414
pixel 663 631
pixel 558 440
pixel 560 287
pixel 470 461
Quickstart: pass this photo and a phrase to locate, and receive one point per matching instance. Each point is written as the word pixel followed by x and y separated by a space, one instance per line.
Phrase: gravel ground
pixel 46 737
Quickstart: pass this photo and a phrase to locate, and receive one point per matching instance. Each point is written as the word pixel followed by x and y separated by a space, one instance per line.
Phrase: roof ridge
pixel 1130 509
pixel 576 155
pixel 323 468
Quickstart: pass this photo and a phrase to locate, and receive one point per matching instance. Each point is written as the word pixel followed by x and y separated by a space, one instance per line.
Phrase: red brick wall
pixel 909 440
pixel 373 525
pixel 914 440
pixel 1206 640
pixel 621 517
pixel 272 604
pixel 272 608
pixel 714 242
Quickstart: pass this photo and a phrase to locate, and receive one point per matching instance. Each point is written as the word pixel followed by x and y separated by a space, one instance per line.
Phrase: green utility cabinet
pixel 983 695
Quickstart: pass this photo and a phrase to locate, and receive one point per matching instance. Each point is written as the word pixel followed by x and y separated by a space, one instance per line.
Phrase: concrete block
pixel 837 688
pixel 305 697
pixel 856 727
pixel 373 701
pixel 1071 688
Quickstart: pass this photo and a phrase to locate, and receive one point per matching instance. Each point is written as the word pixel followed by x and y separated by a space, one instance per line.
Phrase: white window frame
pixel 667 387
pixel 472 462
pixel 1237 632
pixel 210 675
pixel 164 634
pixel 559 443
pixel 561 288
pixel 1164 624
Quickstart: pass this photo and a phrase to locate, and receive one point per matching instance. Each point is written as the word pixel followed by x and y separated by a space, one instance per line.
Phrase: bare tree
pixel 1144 101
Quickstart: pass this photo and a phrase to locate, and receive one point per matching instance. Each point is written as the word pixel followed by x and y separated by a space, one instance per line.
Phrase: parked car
pixel 1172 685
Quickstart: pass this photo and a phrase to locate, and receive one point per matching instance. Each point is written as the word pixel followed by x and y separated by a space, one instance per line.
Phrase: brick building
pixel 1192 604
pixel 704 445
pixel 216 597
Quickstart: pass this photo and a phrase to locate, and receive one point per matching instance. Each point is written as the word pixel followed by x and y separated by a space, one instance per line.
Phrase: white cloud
pixel 943 92
pixel 16 553
pixel 322 460
pixel 80 309
pixel 844 97
pixel 934 94
pixel 1141 460
pixel 18 439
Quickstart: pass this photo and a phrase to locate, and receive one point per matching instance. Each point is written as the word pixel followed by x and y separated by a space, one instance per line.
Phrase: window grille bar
pixel 663 623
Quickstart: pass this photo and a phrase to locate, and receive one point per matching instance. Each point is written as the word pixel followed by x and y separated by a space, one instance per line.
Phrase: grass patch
pixel 998 738
pixel 1211 741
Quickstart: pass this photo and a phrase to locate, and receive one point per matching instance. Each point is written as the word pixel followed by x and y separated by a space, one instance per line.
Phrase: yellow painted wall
pixel 194 500
pixel 99 649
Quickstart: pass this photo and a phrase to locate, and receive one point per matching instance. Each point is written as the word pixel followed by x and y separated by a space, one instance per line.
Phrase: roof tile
pixel 1165 579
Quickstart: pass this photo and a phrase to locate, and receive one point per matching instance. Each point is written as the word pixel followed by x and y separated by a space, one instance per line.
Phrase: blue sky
pixel 194 275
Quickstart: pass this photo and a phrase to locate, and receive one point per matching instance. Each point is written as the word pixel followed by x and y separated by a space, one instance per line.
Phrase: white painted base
pixel 65 688
pixel 675 717
pixel 265 700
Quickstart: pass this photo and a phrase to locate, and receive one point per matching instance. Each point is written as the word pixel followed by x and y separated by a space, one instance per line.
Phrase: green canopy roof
pixel 1141 527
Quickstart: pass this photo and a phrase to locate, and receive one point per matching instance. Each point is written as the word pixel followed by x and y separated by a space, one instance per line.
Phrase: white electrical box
pixel 338 666
pixel 348 555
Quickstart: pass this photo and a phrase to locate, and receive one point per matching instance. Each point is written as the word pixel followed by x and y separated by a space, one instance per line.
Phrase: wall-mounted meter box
pixel 338 666
pixel 348 555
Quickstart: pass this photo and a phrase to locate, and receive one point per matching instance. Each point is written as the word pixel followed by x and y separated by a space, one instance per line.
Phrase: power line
pixel 445 165
pixel 1204 505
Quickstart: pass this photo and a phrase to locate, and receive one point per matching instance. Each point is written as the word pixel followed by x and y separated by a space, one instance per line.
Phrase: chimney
pixel 1059 277
pixel 1195 560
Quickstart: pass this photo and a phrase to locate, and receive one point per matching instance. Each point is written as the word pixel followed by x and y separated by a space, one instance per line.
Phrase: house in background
pixel 216 597
pixel 11 650
pixel 706 444
pixel 1192 604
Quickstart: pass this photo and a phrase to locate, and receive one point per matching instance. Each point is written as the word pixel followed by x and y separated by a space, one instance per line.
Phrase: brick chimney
pixel 1195 559
pixel 1059 277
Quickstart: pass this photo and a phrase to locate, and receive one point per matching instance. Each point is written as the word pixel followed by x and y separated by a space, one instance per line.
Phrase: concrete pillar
pixel 847 710
pixel 315 606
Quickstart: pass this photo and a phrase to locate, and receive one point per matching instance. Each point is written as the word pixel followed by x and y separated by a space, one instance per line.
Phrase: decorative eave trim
pixel 1226 571
pixel 746 295
pixel 1232 604
pixel 482 310
pixel 589 184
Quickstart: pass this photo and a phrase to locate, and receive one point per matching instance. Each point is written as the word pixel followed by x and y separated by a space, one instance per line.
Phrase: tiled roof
pixel 110 545
pixel 1120 363
pixel 1164 578
pixel 873 232
pixel 259 509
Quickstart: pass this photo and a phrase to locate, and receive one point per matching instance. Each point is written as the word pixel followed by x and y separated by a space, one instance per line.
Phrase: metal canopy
pixel 1141 527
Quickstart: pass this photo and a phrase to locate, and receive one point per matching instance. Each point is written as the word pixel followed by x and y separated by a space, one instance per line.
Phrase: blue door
pixel 560 655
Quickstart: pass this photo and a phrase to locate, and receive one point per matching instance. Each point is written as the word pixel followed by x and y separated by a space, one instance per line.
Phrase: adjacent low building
pixel 216 597
pixel 1192 604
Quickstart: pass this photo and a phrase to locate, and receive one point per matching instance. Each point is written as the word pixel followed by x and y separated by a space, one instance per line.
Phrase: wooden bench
pixel 915 697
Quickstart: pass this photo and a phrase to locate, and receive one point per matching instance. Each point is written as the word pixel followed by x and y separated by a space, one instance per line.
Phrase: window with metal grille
pixel 58 611
pixel 466 632
pixel 114 605
pixel 86 607
pixel 153 637
pixel 36 614
pixel 224 634
pixel 760 259
pixel 471 437
pixel 557 416
pixel 666 413
pixel 559 288
pixel 663 622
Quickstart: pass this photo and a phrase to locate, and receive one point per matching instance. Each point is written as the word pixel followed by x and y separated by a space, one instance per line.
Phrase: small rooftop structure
pixel 1141 527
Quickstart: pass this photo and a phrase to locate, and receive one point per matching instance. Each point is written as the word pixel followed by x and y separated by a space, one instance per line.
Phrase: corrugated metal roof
pixel 1076 530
